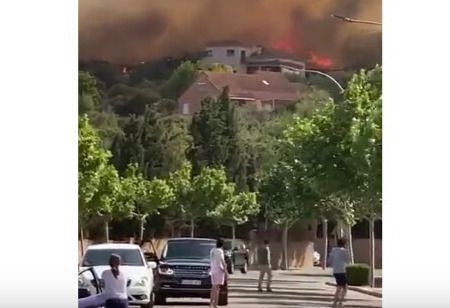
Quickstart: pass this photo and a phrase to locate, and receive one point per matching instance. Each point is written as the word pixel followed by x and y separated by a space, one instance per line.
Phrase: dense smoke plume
pixel 130 31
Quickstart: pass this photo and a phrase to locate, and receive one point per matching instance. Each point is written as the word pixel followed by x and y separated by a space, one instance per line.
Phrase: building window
pixel 209 53
pixel 243 56
pixel 230 52
pixel 185 109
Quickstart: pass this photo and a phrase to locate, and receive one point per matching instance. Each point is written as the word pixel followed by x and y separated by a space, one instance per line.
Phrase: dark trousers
pixel 116 303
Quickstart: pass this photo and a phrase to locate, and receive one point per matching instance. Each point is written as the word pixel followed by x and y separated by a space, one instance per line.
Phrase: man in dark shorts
pixel 339 258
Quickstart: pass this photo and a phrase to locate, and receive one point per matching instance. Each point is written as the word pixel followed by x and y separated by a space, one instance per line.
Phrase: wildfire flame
pixel 321 62
pixel 284 44
pixel 290 44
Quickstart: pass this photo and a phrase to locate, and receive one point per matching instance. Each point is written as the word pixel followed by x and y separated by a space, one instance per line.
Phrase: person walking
pixel 218 272
pixel 114 294
pixel 338 259
pixel 265 267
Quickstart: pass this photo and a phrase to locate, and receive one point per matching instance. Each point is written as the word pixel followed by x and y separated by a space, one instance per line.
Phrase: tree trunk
pixel 107 231
pixel 266 219
pixel 233 234
pixel 285 264
pixel 192 227
pixel 172 229
pixel 141 229
pixel 82 240
pixel 350 243
pixel 340 230
pixel 325 242
pixel 372 251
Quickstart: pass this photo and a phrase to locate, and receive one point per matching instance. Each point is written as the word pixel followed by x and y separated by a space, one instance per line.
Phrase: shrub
pixel 358 274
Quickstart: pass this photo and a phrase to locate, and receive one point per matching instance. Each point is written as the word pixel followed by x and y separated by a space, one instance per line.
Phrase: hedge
pixel 358 274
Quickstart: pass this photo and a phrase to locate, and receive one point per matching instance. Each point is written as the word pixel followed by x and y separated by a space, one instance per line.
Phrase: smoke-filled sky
pixel 130 31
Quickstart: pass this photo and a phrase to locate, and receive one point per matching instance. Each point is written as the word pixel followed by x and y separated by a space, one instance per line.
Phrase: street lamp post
pixel 341 88
pixel 357 21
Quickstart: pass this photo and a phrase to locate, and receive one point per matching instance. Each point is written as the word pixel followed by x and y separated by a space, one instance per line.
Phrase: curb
pixel 360 290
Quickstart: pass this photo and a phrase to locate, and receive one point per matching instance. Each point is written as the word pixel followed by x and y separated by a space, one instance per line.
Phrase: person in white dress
pixel 218 272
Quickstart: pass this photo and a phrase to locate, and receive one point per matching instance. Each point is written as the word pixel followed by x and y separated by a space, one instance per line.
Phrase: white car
pixel 139 273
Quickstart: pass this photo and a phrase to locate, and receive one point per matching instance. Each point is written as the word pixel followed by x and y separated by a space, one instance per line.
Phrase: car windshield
pixel 188 249
pixel 96 257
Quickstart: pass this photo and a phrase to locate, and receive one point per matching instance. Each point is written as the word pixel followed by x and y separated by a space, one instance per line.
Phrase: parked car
pixel 236 254
pixel 184 271
pixel 140 273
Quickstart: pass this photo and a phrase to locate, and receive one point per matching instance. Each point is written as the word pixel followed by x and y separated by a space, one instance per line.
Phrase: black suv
pixel 184 271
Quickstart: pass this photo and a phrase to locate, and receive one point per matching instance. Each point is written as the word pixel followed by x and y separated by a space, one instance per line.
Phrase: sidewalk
pixel 377 292
pixel 328 280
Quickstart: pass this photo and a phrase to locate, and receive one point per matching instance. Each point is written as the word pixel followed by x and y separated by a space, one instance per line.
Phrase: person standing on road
pixel 339 258
pixel 218 272
pixel 265 267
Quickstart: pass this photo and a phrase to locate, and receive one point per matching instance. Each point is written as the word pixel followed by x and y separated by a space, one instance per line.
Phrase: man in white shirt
pixel 339 258
pixel 218 272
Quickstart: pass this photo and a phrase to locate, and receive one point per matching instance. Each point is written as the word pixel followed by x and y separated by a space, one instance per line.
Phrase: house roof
pixel 258 86
pixel 267 53
pixel 228 43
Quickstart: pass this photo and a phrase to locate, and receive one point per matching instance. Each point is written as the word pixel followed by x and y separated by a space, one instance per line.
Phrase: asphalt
pixel 291 289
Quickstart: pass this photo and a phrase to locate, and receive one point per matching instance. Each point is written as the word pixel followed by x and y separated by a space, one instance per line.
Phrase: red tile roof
pixel 259 86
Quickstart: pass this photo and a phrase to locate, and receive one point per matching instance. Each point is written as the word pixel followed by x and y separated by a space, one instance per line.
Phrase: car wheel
pixel 160 299
pixel 151 303
pixel 244 269
pixel 223 299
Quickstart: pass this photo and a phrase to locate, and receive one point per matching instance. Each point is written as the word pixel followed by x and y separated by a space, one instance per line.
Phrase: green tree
pixel 210 189
pixel 107 203
pixel 157 143
pixel 236 210
pixel 217 139
pixel 181 183
pixel 99 185
pixel 363 105
pixel 88 94
pixel 217 67
pixel 180 80
pixel 288 198
pixel 92 159
pixel 148 196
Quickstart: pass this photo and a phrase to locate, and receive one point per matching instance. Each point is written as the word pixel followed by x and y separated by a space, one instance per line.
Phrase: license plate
pixel 191 282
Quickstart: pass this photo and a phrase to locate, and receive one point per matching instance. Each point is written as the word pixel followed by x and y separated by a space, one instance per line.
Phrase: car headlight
pixel 165 270
pixel 141 282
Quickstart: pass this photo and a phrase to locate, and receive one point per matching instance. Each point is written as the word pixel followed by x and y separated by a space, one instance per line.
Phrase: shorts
pixel 217 278
pixel 341 279
pixel 116 303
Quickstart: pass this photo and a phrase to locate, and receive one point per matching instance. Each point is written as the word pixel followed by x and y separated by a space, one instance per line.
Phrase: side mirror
pixel 151 265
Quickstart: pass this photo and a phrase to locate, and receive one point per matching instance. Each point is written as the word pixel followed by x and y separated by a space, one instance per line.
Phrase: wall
pixel 219 55
pixel 193 96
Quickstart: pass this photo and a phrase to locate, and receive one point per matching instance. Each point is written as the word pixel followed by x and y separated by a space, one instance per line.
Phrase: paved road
pixel 290 290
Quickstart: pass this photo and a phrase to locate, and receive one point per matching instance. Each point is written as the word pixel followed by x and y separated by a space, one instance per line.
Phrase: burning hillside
pixel 124 31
